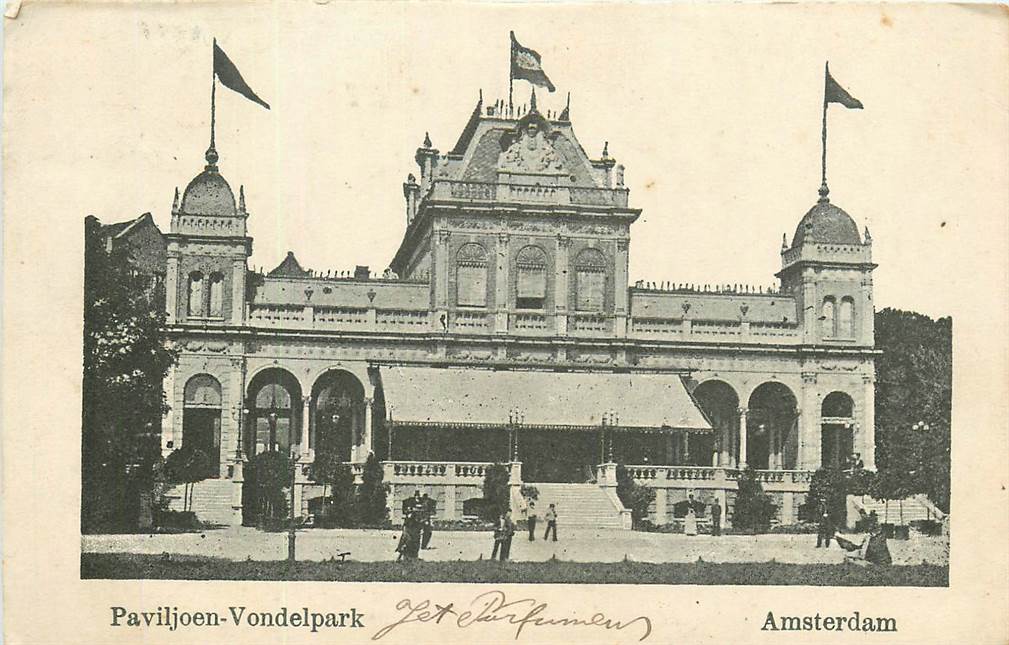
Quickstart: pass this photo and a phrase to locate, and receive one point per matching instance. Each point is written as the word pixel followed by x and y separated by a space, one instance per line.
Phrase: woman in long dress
pixel 690 523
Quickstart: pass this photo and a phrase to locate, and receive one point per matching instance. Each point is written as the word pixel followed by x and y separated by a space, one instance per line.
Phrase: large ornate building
pixel 505 330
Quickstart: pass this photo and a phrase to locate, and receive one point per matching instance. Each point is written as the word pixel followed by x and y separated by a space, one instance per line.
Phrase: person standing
pixel 716 517
pixel 507 532
pixel 498 538
pixel 551 518
pixel 531 519
pixel 427 506
pixel 690 522
pixel 825 530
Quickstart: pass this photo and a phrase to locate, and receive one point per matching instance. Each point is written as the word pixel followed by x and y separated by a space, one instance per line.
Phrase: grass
pixel 133 566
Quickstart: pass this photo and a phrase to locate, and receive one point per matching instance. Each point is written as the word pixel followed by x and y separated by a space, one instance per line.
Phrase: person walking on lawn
pixel 531 519
pixel 551 518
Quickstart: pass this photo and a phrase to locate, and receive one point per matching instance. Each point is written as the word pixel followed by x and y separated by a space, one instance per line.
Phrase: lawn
pixel 133 566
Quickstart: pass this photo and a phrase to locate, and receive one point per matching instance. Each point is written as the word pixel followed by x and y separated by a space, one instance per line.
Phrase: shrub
pixel 828 489
pixel 754 510
pixel 329 471
pixel 530 492
pixel 370 505
pixel 267 476
pixel 496 492
pixel 635 497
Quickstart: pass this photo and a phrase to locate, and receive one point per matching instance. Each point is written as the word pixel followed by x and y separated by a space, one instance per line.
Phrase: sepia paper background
pixel 715 111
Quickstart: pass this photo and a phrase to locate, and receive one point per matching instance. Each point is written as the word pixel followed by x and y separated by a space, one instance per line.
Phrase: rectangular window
pixel 590 290
pixel 472 286
pixel 532 287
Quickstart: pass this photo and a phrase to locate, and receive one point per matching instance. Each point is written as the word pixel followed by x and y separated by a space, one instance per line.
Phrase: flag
pixel 231 78
pixel 834 93
pixel 526 66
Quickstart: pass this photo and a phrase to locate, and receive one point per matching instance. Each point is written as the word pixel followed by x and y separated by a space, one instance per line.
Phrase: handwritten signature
pixel 493 607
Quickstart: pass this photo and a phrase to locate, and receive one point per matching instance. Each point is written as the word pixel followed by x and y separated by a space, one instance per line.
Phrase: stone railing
pixel 673 476
pixel 590 324
pixel 530 322
pixel 435 471
pixel 471 321
pixel 402 319
pixel 277 315
pixel 448 190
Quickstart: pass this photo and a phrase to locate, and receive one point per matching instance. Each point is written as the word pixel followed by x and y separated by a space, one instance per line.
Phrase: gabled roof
pixel 289 268
pixel 117 230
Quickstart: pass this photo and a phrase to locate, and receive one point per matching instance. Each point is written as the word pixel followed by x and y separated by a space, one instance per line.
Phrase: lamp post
pixel 291 537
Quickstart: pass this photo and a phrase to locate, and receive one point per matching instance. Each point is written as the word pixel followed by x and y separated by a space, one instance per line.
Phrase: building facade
pixel 505 330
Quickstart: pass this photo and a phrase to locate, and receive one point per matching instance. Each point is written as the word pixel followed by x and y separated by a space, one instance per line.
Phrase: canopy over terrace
pixel 446 414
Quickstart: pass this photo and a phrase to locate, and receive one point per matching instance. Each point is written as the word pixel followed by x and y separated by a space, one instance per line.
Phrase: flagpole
pixel 212 151
pixel 823 162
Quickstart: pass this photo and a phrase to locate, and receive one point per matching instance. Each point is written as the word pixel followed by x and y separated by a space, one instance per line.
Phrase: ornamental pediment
pixel 531 149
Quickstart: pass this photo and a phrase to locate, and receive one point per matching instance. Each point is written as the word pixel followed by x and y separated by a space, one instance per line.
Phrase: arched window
pixel 216 295
pixel 845 318
pixel 531 288
pixel 590 281
pixel 471 276
pixel 196 294
pixel 203 391
pixel 827 317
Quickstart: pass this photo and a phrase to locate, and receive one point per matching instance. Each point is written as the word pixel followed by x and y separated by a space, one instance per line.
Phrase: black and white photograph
pixel 514 298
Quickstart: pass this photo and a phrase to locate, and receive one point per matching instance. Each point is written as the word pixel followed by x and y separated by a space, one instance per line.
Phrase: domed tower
pixel 828 268
pixel 207 251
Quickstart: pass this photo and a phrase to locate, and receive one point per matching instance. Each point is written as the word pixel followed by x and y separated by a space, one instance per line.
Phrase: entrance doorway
pixel 201 420
pixel 559 455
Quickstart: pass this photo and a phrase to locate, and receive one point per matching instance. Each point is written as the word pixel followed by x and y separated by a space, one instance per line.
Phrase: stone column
pixel 172 289
pixel 230 433
pixel 237 291
pixel 661 506
pixel 305 420
pixel 742 437
pixel 440 277
pixel 366 439
pixel 686 447
pixel 620 289
pixel 869 422
pixel 501 285
pixel 168 423
pixel 562 280
pixel 809 424
pixel 725 458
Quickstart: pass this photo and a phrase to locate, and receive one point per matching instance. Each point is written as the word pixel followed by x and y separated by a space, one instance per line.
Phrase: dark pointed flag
pixel 526 66
pixel 834 93
pixel 231 78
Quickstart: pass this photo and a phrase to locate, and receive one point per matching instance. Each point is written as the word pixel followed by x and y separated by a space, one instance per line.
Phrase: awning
pixel 457 397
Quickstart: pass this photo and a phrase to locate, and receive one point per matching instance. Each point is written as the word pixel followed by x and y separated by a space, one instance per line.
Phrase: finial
pixel 566 113
pixel 868 238
pixel 532 101
pixel 606 150
pixel 241 197
pixel 211 157
pixel 784 241
pixel 480 100
pixel 175 202
pixel 427 140
pixel 824 191
pixel 410 179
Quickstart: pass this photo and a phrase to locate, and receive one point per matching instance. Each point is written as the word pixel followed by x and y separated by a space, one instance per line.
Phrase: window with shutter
pixel 471 276
pixel 590 281
pixel 531 283
pixel 216 295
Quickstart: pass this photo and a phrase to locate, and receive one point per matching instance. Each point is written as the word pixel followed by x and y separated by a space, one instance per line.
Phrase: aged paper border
pixel 45 600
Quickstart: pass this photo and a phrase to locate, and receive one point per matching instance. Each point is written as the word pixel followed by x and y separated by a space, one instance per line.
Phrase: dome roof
pixel 826 224
pixel 208 194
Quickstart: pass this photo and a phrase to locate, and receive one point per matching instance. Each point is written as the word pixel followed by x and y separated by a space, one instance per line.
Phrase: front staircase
pixel 213 501
pixel 898 512
pixel 578 505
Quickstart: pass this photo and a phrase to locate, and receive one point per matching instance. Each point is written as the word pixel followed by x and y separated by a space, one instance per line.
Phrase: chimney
pixel 361 273
pixel 411 191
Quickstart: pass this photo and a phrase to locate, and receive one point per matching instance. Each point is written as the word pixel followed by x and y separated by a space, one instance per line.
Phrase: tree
pixel 754 509
pixel 267 475
pixel 496 491
pixel 186 466
pixel 329 471
pixel 913 405
pixel 633 495
pixel 828 489
pixel 372 494
pixel 125 360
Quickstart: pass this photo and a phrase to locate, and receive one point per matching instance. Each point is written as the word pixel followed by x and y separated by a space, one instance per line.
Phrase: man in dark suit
pixel 716 517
